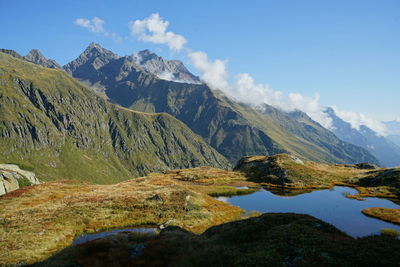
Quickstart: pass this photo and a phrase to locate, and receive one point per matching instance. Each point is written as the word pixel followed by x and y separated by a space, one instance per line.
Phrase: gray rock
pixel 171 70
pixel 10 175
pixel 155 198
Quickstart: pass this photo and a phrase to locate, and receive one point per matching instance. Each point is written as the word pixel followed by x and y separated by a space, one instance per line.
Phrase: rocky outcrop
pixel 12 178
pixel 266 169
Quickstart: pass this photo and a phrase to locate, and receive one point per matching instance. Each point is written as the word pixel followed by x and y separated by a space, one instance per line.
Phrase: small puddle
pixel 330 205
pixel 89 237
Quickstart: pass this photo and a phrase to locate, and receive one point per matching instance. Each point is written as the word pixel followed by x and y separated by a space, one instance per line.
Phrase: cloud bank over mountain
pixel 154 29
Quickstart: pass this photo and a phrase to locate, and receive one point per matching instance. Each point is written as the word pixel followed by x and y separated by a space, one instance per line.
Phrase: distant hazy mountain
pixel 34 56
pixel 171 70
pixel 393 128
pixel 386 151
pixel 234 129
pixel 63 129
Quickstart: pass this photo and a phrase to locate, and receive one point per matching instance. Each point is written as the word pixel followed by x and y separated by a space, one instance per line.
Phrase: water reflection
pixel 329 205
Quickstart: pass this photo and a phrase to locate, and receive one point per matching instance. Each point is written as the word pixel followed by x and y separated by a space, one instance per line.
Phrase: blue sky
pixel 348 51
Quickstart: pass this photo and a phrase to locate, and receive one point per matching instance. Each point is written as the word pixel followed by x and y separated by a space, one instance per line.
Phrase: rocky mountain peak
pixel 35 56
pixel 35 53
pixel 172 70
pixel 94 56
pixel 96 50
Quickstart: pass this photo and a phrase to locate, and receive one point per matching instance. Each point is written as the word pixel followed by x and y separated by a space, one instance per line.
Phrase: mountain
pixel 63 129
pixel 11 52
pixel 34 56
pixel 393 128
pixel 171 70
pixel 317 137
pixel 233 129
pixel 383 149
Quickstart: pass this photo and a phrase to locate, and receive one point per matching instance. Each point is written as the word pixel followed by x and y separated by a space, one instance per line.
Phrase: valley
pixel 110 144
pixel 59 211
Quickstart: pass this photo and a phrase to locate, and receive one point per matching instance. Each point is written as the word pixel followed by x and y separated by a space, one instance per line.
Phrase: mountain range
pixel 383 148
pixel 55 124
pixel 134 133
pixel 234 129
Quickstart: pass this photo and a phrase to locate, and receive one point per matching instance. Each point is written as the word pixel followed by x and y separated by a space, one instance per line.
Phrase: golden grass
pixel 386 214
pixel 38 221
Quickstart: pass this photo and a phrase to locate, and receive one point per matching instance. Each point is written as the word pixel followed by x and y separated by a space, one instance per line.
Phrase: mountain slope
pixel 234 129
pixel 65 130
pixel 383 149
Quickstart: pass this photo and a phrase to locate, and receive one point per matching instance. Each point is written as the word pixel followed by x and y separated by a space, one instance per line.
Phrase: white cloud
pixel 153 29
pixel 358 119
pixel 247 91
pixel 212 72
pixel 94 25
pixel 166 75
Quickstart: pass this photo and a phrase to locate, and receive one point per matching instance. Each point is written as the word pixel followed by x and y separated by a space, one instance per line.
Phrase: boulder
pixel 11 177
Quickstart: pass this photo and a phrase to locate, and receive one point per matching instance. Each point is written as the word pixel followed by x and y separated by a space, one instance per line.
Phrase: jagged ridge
pixel 234 129
pixel 52 122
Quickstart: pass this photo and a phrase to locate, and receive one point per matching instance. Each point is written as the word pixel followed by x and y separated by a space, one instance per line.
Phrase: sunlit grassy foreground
pixel 37 221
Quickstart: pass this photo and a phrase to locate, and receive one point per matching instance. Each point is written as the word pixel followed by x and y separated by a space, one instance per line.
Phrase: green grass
pixel 22 182
pixel 23 166
pixel 390 232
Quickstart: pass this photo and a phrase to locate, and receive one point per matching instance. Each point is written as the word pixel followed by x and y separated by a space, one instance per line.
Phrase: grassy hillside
pixel 53 123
